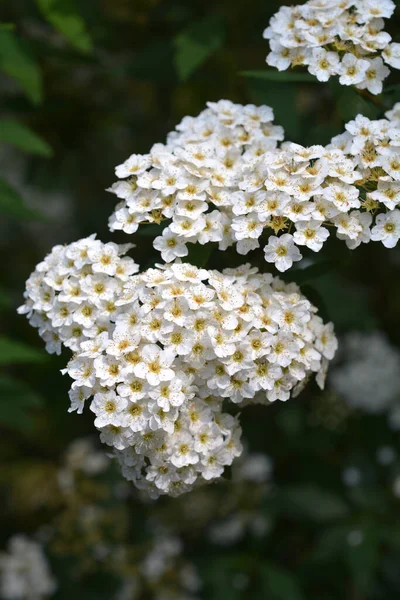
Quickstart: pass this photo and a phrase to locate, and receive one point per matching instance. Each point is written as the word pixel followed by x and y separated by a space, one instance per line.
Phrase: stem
pixel 370 97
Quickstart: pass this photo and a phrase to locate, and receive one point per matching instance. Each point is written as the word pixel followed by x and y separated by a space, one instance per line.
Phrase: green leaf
pixel 64 16
pixel 14 133
pixel 309 502
pixel 350 103
pixel 12 204
pixel 363 558
pixel 309 274
pixel 196 43
pixel 347 304
pixel 199 254
pixel 17 399
pixel 17 62
pixel 283 99
pixel 7 26
pixel 279 584
pixel 5 300
pixel 12 352
pixel 281 76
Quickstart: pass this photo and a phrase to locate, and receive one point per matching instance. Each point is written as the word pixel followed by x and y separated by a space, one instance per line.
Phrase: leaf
pixel 7 26
pixel 13 352
pixel 282 76
pixel 196 43
pixel 279 584
pixel 283 100
pixel 350 103
pixel 309 502
pixel 363 558
pixel 5 300
pixel 199 254
pixel 64 16
pixel 309 274
pixel 347 304
pixel 17 62
pixel 17 399
pixel 331 544
pixel 12 204
pixel 14 133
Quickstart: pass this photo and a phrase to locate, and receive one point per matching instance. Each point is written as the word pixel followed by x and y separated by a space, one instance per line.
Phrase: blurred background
pixel 312 509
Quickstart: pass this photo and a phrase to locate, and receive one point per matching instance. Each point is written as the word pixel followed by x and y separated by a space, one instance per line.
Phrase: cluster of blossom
pixel 81 456
pixel 251 469
pixel 164 571
pixel 367 375
pixel 207 166
pixel 24 571
pixel 335 38
pixel 160 352
pixel 294 192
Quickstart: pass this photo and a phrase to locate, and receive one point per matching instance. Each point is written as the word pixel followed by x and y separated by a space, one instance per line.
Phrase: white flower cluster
pixel 24 571
pixel 164 570
pixel 160 351
pixel 368 373
pixel 233 184
pixel 252 472
pixel 342 38
pixel 204 179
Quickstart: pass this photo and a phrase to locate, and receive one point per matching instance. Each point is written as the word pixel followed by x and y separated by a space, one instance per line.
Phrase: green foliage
pixel 12 352
pixel 199 254
pixel 5 300
pixel 14 133
pixel 279 584
pixel 64 16
pixel 350 102
pixel 280 76
pixel 12 204
pixel 16 402
pixel 196 44
pixel 309 502
pixel 17 62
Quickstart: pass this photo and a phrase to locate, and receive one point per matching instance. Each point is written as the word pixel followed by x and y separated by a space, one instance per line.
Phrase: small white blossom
pixel 282 251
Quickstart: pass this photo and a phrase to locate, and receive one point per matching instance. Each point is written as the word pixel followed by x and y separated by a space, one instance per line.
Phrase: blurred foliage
pixel 85 84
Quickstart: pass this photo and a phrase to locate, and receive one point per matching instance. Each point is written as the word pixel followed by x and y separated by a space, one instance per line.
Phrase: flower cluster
pixel 239 514
pixel 367 375
pixel 335 38
pixel 160 351
pixel 352 185
pixel 24 571
pixel 202 180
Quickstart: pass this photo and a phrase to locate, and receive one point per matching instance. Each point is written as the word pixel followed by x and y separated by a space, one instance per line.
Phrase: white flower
pixel 311 234
pixel 154 364
pixel 282 251
pixel 391 55
pixel 170 246
pixel 387 228
pixel 388 193
pixel 342 195
pixel 107 407
pixel 136 164
pixel 374 76
pixel 323 64
pixel 134 416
